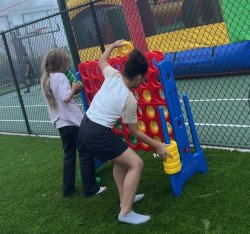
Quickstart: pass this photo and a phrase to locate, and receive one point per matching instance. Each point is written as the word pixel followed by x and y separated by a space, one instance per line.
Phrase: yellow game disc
pixel 126 49
pixel 150 112
pixel 154 127
pixel 174 153
pixel 165 112
pixel 156 138
pixel 146 95
pixel 170 130
pixel 172 171
pixel 172 146
pixel 141 126
pixel 172 160
pixel 172 165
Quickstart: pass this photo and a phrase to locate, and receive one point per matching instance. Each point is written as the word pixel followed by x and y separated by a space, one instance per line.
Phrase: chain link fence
pixel 207 40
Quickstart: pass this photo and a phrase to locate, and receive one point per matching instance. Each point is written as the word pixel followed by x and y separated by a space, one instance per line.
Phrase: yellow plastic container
pixel 126 49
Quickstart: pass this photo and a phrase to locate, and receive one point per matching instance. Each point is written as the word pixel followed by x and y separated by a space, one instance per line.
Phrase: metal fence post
pixel 97 27
pixel 69 33
pixel 16 83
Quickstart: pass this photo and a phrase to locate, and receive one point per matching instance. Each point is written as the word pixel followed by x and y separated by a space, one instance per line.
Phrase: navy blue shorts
pixel 100 141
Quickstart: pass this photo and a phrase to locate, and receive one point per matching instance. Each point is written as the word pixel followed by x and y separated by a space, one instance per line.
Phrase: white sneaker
pixel 102 189
pixel 133 218
pixel 138 197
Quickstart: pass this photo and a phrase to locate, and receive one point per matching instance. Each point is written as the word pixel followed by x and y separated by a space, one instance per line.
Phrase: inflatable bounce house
pixel 169 27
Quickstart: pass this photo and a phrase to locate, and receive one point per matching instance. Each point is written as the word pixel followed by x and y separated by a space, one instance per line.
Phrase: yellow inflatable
pixel 72 3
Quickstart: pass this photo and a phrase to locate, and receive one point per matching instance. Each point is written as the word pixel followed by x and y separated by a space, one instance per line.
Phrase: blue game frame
pixel 191 162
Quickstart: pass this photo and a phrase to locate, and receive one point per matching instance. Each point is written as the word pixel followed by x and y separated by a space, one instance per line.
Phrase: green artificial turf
pixel 31 200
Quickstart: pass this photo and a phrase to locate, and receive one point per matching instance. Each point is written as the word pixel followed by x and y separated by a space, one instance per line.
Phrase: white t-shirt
pixel 112 101
pixel 66 114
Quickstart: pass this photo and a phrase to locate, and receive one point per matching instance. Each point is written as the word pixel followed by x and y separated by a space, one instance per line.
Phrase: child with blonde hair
pixel 63 111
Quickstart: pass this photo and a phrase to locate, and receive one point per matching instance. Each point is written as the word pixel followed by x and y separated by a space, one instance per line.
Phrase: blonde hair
pixel 56 60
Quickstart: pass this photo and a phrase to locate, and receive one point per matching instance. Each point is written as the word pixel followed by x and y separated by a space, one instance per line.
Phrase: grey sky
pixel 15 12
pixel 25 5
pixel 30 10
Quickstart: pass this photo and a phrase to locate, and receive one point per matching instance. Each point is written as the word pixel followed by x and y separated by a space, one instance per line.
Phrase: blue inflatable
pixel 211 60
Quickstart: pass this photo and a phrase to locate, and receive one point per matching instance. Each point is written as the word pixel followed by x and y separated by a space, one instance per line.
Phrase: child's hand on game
pixel 76 86
pixel 162 151
pixel 118 43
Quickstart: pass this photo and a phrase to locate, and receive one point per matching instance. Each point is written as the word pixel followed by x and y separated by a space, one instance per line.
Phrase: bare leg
pixel 119 173
pixel 134 165
pixel 127 174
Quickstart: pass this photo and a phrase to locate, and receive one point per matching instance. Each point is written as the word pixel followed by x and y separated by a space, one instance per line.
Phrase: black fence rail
pixel 207 40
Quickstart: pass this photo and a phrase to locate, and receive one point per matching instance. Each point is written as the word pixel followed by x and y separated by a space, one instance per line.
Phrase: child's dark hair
pixel 137 64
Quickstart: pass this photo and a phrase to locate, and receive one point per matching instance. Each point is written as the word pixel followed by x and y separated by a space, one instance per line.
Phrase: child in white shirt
pixel 112 101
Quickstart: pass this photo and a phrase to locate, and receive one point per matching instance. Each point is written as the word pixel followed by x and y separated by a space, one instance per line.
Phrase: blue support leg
pixel 202 164
pixel 191 123
pixel 164 125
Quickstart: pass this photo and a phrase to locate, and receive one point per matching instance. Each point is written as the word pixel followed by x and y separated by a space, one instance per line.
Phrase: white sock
pixel 102 189
pixel 133 218
pixel 138 197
